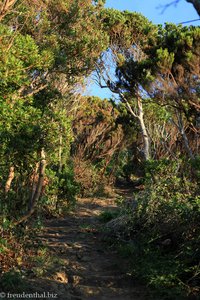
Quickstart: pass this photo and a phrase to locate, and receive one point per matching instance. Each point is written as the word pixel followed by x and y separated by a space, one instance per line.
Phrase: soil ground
pixel 89 269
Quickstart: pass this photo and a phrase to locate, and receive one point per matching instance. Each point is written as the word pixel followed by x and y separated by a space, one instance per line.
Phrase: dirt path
pixel 89 269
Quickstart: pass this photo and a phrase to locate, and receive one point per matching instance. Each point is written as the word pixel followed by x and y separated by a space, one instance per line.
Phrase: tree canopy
pixel 56 143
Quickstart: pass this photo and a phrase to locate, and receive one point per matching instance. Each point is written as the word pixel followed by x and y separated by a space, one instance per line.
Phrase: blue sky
pixel 183 12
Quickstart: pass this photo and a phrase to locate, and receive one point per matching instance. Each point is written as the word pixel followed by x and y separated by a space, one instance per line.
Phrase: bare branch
pixel 166 6
pixel 5 8
pixel 196 4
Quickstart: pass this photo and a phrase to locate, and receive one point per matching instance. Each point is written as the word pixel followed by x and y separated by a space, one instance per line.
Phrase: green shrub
pixel 108 215
pixel 61 191
pixel 165 231
pixel 12 280
pixel 88 177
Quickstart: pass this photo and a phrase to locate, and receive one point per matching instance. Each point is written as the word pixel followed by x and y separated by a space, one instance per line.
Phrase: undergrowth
pixel 108 215
pixel 163 231
pixel 22 255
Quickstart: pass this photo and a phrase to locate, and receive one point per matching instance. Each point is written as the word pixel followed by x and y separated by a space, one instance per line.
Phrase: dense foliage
pixel 43 58
pixel 156 77
pixel 56 143
pixel 98 138
pixel 161 233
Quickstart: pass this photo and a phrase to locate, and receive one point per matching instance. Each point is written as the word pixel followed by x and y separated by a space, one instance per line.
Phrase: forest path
pixel 89 269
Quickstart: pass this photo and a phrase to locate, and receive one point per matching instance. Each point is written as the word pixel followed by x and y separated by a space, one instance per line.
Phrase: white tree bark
pixel 9 180
pixel 145 135
pixel 35 197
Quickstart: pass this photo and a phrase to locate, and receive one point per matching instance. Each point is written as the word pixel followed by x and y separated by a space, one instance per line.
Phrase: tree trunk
pixel 196 4
pixel 37 193
pixel 10 179
pixel 186 143
pixel 60 154
pixel 140 117
pixel 145 135
pixel 34 184
pixel 184 136
pixel 105 166
pixel 6 7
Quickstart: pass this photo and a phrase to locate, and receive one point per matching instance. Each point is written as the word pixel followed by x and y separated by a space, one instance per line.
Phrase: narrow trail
pixel 89 269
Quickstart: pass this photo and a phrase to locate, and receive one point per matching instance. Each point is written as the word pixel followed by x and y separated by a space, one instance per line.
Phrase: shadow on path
pixel 90 269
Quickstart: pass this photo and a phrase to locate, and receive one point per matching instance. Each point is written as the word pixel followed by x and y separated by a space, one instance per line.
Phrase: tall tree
pixel 47 47
pixel 154 64
pixel 175 65
pixel 129 34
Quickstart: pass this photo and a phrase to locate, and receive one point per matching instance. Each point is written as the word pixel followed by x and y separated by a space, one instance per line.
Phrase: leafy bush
pixel 108 215
pixel 12 280
pixel 88 177
pixel 165 231
pixel 61 191
pixel 68 188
